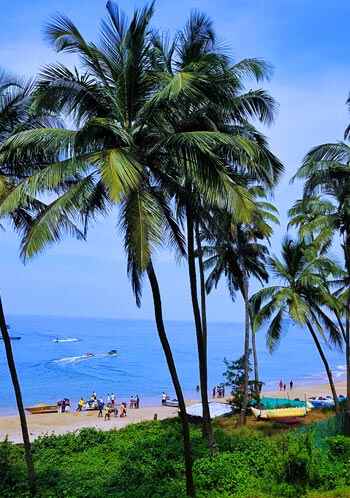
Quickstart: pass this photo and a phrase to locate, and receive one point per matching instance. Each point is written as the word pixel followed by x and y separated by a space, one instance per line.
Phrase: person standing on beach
pixel 137 401
pixel 100 407
pixel 291 385
pixel 214 391
pixel 281 385
pixel 284 387
pixel 112 400
pixel 108 399
pixel 164 398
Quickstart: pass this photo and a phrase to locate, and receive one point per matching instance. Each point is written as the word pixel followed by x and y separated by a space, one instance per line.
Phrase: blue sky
pixel 305 41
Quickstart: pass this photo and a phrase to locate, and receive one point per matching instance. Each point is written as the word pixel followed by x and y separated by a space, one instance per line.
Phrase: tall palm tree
pixel 302 296
pixel 223 112
pixel 15 102
pixel 110 157
pixel 135 110
pixel 326 171
pixel 129 137
pixel 238 252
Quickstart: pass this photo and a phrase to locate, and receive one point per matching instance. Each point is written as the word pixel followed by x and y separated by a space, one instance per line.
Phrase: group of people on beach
pixel 283 387
pixel 219 391
pixel 105 407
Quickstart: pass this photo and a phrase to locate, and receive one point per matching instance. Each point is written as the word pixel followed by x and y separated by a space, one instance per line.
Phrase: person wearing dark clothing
pixel 291 385
pixel 100 407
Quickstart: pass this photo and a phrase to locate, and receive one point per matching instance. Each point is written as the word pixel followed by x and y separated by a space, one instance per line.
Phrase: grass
pixel 262 460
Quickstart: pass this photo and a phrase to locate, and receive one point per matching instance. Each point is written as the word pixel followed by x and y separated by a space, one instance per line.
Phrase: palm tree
pixel 126 142
pixel 145 110
pixel 237 252
pixel 325 170
pixel 302 296
pixel 15 115
pixel 221 114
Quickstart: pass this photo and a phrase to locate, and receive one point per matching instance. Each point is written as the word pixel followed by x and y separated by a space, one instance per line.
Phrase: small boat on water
pixel 113 352
pixel 65 339
pixel 13 338
pixel 42 408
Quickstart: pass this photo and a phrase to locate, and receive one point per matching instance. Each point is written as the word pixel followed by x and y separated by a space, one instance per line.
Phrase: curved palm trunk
pixel 190 489
pixel 326 365
pixel 243 417
pixel 19 401
pixel 202 357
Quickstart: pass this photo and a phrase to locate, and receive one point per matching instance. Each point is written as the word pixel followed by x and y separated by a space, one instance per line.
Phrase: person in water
pixel 291 385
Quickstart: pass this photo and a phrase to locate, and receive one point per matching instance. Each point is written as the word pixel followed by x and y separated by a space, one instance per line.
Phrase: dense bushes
pixel 144 460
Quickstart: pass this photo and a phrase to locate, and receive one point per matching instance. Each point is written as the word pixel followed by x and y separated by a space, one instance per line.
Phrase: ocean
pixel 50 370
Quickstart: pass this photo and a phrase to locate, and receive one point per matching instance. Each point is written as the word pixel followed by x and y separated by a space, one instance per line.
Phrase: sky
pixel 307 44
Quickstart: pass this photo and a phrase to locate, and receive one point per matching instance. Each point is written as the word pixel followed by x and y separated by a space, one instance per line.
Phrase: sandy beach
pixel 54 423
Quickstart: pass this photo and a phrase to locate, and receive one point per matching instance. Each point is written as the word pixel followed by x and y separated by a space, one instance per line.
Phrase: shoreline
pixel 55 423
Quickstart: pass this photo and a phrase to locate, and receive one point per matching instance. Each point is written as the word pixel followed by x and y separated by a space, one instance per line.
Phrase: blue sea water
pixel 49 371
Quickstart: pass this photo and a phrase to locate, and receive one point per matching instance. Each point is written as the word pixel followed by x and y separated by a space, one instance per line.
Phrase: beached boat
pixel 322 402
pixel 171 402
pixel 42 408
pixel 280 413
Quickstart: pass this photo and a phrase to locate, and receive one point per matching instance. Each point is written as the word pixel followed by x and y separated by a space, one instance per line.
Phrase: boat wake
pixel 66 339
pixel 84 357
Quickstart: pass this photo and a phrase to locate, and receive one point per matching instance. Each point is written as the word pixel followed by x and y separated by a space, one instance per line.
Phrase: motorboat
pixel 113 352
pixel 171 402
pixel 13 338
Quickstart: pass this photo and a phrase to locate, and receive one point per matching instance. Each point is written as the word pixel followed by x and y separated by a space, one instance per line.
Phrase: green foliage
pixel 146 460
pixel 339 446
pixel 234 375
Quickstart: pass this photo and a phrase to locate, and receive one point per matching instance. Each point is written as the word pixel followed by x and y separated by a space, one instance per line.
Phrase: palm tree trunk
pixel 326 365
pixel 202 359
pixel 346 249
pixel 243 417
pixel 190 489
pixel 203 293
pixel 19 401
pixel 255 357
pixel 347 354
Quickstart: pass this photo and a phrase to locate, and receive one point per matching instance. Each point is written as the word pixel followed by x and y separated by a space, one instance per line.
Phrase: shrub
pixel 339 446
